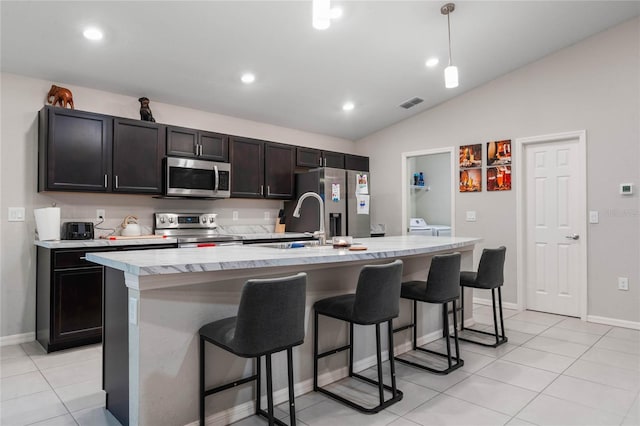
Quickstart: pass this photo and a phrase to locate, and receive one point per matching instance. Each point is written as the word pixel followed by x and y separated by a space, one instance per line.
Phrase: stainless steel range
pixel 192 229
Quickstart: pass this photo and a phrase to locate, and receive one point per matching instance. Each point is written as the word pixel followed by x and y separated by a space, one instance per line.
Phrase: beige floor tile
pixel 414 396
pixel 445 410
pixel 590 394
pixel 75 373
pixel 331 413
pixel 15 366
pixel 519 375
pixel 432 381
pixel 492 394
pixel 546 344
pixel 33 348
pixel 605 374
pixel 539 359
pixel 523 326
pixel 572 336
pixel 31 408
pixel 11 351
pixel 66 357
pixel 624 333
pixel 548 410
pixel 538 318
pixel 66 420
pixel 519 422
pixel 402 422
pixel 620 345
pixel 613 358
pixel 95 417
pixel 577 324
pixel 82 395
pixel 22 385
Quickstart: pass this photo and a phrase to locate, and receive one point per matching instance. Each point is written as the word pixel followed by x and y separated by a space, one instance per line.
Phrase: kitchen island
pixel 156 300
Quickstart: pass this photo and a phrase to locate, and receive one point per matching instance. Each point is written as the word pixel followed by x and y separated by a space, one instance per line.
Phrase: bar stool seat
pixel 270 319
pixel 442 287
pixel 490 276
pixel 376 300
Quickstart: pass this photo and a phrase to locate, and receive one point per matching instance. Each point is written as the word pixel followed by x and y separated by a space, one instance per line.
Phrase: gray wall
pixel 593 85
pixel 21 99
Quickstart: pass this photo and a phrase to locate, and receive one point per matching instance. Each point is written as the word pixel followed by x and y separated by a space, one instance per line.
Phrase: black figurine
pixel 145 111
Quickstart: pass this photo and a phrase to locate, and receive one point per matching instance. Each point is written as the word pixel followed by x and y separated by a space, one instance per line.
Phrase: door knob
pixel 573 236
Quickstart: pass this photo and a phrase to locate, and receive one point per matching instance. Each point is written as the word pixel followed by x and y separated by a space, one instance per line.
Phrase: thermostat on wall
pixel 626 188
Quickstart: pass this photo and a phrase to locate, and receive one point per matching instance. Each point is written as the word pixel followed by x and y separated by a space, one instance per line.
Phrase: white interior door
pixel 555 210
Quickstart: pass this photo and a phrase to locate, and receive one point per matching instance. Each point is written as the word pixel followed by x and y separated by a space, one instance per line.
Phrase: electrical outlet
pixel 100 214
pixel 593 216
pixel 623 283
pixel 471 216
pixel 235 215
pixel 266 216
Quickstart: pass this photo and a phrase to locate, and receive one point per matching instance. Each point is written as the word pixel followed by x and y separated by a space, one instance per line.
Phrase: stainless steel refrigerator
pixel 344 213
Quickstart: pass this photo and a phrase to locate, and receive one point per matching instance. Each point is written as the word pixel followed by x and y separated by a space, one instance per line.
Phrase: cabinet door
pixel 138 150
pixel 214 146
pixel 308 157
pixel 278 170
pixel 356 162
pixel 78 150
pixel 182 142
pixel 247 167
pixel 333 159
pixel 77 304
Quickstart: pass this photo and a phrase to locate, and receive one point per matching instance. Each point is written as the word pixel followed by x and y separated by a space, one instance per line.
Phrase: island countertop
pixel 175 261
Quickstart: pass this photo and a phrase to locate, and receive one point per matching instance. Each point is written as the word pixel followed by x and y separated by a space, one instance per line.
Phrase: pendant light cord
pixel 449 29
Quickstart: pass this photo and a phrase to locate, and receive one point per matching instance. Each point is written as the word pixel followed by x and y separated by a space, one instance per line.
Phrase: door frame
pixel 581 199
pixel 404 185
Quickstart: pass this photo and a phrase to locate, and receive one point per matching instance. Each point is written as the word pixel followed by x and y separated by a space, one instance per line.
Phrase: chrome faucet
pixel 296 213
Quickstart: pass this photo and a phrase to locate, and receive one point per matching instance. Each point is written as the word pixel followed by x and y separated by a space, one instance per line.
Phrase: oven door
pixel 195 178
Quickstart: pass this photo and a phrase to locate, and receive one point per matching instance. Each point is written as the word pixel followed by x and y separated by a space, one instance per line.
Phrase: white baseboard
pixel 246 409
pixel 505 305
pixel 614 321
pixel 17 339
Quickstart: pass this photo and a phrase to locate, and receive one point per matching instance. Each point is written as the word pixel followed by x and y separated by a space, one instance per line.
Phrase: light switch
pixel 16 214
pixel 593 216
pixel 471 216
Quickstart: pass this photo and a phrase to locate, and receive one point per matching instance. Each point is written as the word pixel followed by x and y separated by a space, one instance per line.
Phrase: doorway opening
pixel 435 200
pixel 551 206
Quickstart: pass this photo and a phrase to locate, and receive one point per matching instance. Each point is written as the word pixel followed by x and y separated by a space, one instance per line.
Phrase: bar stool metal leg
pixel 391 359
pixel 292 401
pixel 201 404
pixel 258 385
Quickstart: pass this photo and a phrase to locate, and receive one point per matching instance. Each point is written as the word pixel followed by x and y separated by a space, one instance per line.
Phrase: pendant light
pixel 451 71
pixel 321 18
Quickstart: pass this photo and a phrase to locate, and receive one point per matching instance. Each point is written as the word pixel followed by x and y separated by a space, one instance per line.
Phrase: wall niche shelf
pixel 421 187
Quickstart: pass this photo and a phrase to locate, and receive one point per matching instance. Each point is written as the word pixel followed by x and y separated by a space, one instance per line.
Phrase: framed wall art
pixel 471 156
pixel 499 153
pixel 499 178
pixel 470 180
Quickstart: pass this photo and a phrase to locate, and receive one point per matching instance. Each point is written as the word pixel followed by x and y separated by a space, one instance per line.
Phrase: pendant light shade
pixel 321 19
pixel 450 72
pixel 451 77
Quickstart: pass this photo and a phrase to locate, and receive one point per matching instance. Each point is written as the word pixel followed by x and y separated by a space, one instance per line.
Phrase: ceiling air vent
pixel 411 103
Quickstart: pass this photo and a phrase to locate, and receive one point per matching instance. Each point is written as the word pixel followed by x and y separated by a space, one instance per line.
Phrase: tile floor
pixel 553 371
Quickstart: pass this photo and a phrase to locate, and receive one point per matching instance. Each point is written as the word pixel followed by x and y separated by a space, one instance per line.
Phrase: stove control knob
pixel 162 220
pixel 170 219
pixel 204 219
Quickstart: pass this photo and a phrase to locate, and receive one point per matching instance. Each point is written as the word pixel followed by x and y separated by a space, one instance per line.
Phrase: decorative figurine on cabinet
pixel 60 96
pixel 145 111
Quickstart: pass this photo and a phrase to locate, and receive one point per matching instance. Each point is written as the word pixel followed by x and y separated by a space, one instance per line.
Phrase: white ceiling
pixel 193 53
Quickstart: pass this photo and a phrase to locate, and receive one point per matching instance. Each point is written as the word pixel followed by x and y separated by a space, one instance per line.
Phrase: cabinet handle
pixel 117 182
pixel 106 181
pixel 83 258
pixel 325 162
pixel 217 178
pixel 199 150
pixel 261 190
pixel 320 161
pixel 268 190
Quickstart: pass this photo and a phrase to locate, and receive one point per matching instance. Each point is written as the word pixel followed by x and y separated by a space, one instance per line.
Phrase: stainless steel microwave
pixel 197 178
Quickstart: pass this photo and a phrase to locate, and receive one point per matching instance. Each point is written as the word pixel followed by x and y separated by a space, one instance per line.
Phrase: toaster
pixel 77 231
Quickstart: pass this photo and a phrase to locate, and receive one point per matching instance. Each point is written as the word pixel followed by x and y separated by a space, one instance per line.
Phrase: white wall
pixel 593 85
pixel 21 99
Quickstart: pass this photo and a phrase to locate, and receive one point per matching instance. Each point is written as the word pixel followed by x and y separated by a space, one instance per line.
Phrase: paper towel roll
pixel 48 223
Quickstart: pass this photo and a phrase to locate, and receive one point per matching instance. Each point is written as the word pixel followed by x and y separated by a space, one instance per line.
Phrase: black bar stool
pixel 442 286
pixel 270 319
pixel 490 276
pixel 376 300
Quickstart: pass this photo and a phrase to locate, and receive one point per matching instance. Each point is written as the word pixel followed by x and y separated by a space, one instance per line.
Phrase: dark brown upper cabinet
pixel 74 152
pixel 138 150
pixel 356 162
pixel 310 157
pixel 261 169
pixel 247 167
pixel 183 142
pixel 279 170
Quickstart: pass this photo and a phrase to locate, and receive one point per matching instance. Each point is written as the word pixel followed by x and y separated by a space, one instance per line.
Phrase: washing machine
pixel 419 226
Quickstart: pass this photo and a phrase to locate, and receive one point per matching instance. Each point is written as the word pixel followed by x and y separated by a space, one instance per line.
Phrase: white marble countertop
pixel 175 261
pixel 101 242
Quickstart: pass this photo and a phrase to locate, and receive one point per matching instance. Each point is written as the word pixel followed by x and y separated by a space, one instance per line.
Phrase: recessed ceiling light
pixel 248 78
pixel 92 33
pixel 432 62
pixel 348 106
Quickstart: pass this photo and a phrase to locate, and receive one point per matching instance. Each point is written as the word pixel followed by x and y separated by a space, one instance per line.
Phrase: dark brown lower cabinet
pixel 69 293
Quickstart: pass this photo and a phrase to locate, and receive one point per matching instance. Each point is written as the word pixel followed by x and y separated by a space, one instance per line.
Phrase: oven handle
pixel 217 177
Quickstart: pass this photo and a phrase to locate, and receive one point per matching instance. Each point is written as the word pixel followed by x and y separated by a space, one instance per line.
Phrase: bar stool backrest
pixel 271 314
pixel 378 293
pixel 491 268
pixel 443 283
